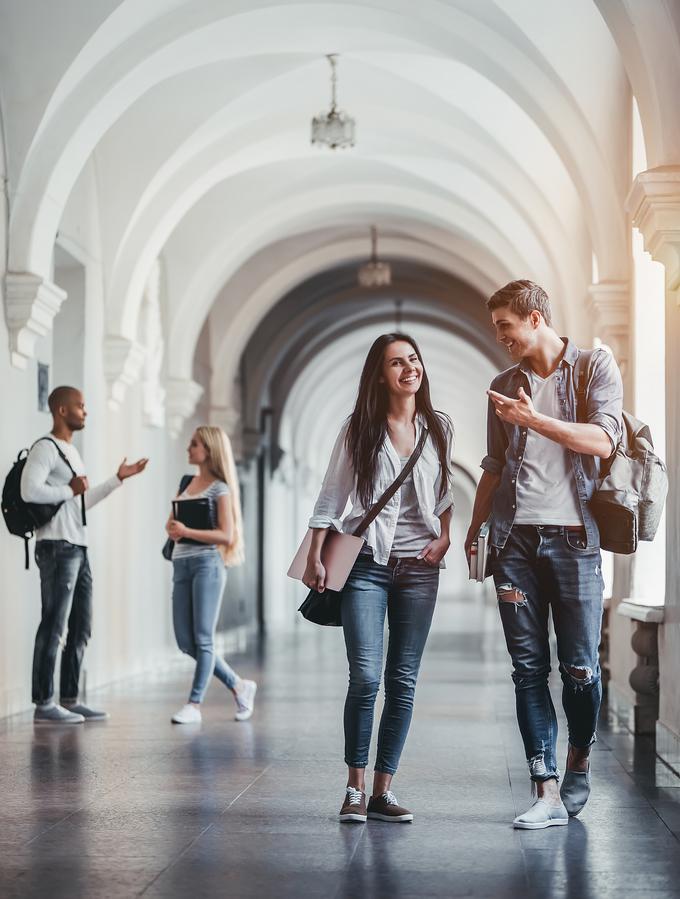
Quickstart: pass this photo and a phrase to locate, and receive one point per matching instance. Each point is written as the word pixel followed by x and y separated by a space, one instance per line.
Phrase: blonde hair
pixel 221 465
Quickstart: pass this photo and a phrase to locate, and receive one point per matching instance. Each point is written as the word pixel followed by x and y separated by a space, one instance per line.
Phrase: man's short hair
pixel 60 396
pixel 522 297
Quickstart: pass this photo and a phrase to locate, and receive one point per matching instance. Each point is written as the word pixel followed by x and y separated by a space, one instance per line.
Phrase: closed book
pixel 473 561
pixel 193 513
pixel 482 551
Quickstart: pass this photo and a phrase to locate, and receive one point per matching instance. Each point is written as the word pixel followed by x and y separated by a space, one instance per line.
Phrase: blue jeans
pixel 65 584
pixel 197 587
pixel 405 590
pixel 554 568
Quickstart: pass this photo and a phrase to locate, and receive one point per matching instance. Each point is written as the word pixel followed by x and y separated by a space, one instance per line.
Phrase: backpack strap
pixel 184 483
pixel 582 378
pixel 71 469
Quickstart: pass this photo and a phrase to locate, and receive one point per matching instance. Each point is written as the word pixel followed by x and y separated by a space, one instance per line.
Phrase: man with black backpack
pixel 53 481
pixel 541 471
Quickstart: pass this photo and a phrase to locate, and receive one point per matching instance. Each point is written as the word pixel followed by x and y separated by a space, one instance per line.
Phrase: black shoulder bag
pixel 325 607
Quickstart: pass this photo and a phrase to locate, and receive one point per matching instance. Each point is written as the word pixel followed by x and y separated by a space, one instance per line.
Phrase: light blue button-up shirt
pixel 339 485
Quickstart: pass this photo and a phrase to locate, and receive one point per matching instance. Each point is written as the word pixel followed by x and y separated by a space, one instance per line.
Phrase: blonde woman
pixel 199 559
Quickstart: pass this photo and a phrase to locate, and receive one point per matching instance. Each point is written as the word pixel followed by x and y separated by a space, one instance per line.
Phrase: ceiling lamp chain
pixel 334 129
pixel 374 273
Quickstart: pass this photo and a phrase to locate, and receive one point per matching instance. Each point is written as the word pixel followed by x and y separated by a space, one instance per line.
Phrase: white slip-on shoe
pixel 245 701
pixel 540 815
pixel 188 714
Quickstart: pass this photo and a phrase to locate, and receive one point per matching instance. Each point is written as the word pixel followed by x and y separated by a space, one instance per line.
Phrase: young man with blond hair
pixel 540 471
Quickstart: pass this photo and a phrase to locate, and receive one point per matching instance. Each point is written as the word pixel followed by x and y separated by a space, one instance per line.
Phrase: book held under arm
pixel 479 554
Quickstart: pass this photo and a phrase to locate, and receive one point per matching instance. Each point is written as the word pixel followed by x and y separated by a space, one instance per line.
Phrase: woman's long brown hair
pixel 368 423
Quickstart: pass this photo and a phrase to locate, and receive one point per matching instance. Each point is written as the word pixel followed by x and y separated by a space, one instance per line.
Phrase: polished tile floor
pixel 137 806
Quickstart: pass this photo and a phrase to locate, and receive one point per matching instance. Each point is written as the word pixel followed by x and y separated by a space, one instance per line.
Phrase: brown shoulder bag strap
pixel 378 506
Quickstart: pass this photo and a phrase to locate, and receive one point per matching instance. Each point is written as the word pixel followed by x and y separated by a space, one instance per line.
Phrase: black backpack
pixel 22 518
pixel 629 500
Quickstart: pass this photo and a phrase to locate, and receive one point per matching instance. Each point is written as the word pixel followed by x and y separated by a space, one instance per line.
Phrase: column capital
pixel 654 204
pixel 609 302
pixel 227 418
pixel 31 303
pixel 181 398
pixel 123 360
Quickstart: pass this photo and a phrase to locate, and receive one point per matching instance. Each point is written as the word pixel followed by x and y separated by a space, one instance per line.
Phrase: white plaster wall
pixel 132 625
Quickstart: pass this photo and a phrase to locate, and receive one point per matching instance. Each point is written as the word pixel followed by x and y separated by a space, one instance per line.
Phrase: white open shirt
pixel 339 485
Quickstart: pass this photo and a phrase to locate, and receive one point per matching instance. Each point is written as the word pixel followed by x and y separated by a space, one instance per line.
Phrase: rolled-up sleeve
pixel 604 398
pixel 336 488
pixel 496 441
pixel 446 502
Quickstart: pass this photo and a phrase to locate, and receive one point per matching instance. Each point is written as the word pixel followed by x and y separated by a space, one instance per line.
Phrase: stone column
pixel 610 307
pixel 654 203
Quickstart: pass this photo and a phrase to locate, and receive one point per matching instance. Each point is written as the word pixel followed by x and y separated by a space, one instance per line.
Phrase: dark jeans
pixel 65 583
pixel 553 568
pixel 405 590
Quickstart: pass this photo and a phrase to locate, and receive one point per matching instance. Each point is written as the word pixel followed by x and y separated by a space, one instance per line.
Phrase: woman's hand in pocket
pixel 435 551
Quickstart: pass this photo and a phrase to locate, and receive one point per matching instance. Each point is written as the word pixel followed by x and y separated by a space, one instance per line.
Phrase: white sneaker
pixel 245 700
pixel 540 815
pixel 188 714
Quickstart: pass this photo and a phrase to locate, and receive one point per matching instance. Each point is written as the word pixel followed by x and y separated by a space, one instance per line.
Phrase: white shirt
pixel 546 491
pixel 46 478
pixel 339 485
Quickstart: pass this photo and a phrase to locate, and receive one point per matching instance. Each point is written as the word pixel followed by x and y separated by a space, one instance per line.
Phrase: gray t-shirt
pixel 412 533
pixel 211 493
pixel 546 490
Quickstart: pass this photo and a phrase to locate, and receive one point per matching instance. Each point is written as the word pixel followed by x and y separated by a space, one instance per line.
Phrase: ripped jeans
pixel 544 567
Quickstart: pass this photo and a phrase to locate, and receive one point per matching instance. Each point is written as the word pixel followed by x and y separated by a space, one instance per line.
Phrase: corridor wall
pixel 132 630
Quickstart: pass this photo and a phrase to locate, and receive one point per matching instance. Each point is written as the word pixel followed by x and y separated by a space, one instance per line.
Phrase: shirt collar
pixel 570 356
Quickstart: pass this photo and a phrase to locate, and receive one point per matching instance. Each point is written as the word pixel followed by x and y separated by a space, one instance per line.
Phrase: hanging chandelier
pixel 374 273
pixel 334 129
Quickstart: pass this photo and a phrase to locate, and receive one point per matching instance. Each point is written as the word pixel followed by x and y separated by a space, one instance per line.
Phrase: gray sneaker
pixel 88 714
pixel 56 714
pixel 540 815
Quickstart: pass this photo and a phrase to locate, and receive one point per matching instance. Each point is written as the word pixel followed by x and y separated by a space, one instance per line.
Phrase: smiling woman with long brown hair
pixel 393 427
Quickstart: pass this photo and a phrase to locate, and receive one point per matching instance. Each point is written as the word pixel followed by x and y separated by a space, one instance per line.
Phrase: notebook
pixel 194 513
pixel 479 554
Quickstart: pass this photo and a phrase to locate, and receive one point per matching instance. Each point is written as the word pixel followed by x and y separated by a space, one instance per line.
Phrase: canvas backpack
pixel 628 503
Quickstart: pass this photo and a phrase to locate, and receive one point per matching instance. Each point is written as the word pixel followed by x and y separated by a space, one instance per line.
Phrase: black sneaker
pixel 386 808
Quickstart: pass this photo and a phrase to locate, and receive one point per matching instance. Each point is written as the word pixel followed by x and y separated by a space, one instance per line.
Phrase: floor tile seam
pixel 205 830
pixel 174 861
pixel 245 789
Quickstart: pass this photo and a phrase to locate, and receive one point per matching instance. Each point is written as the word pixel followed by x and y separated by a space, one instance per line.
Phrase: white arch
pixel 484 274
pixel 314 210
pixel 149 229
pixel 84 109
